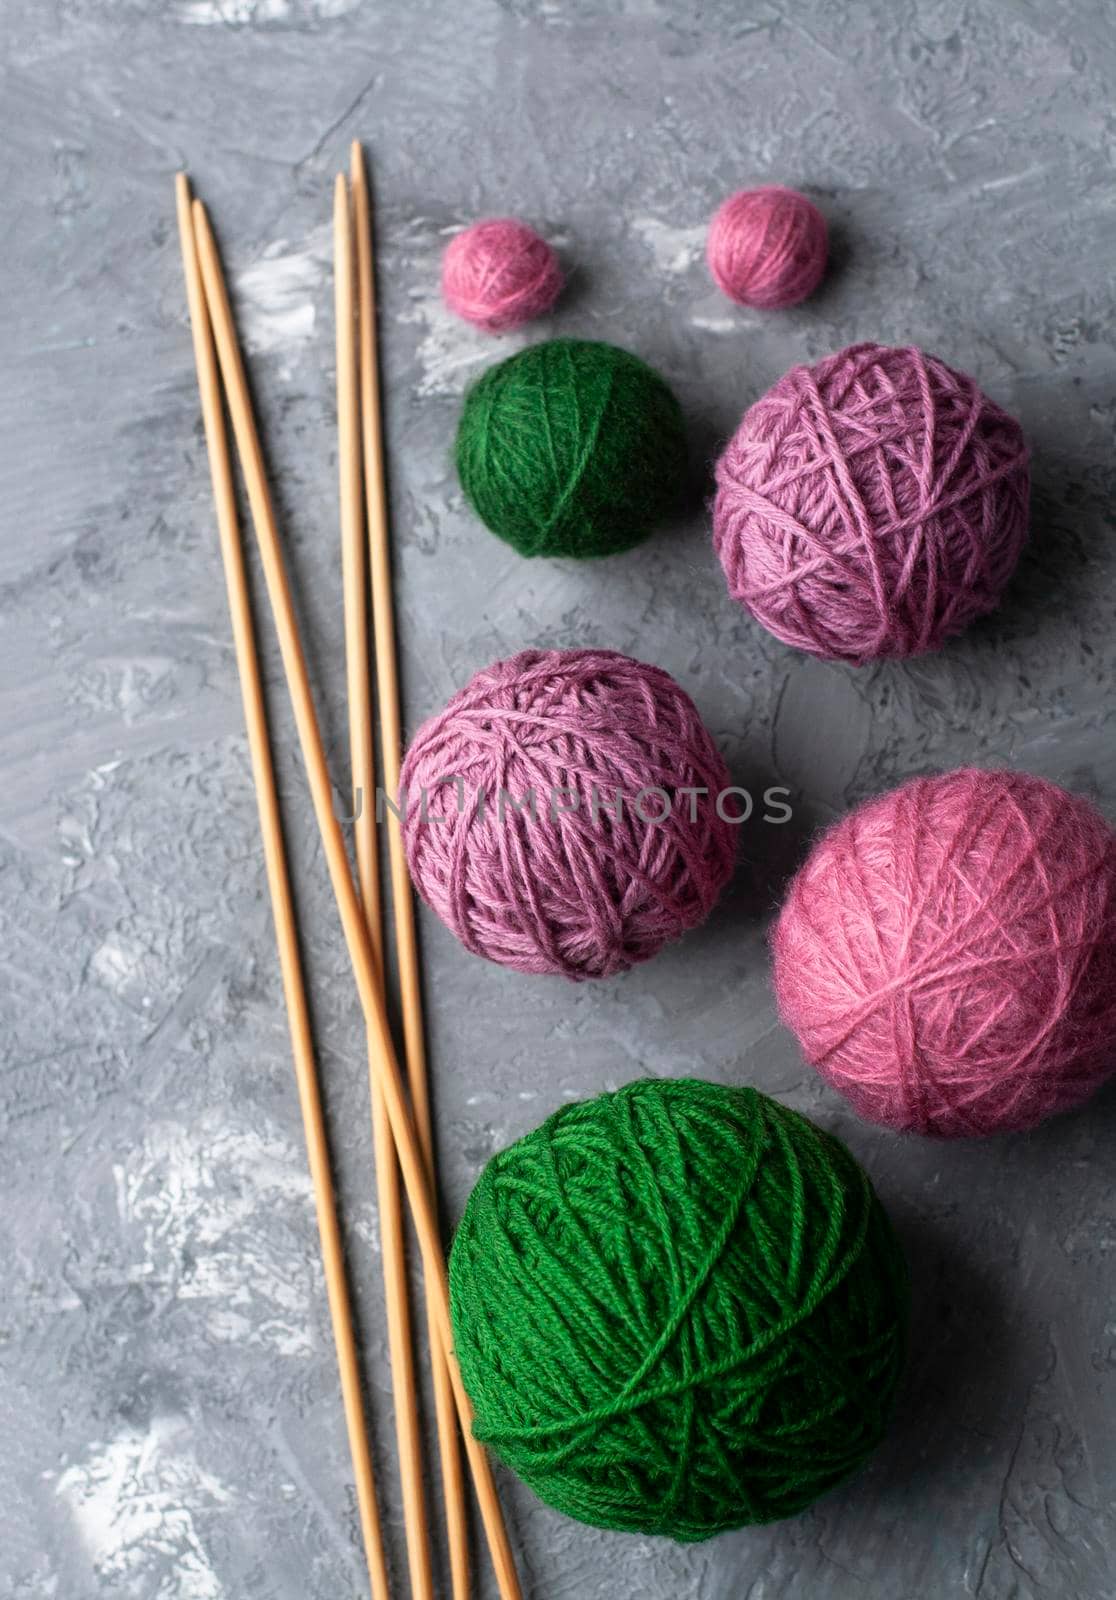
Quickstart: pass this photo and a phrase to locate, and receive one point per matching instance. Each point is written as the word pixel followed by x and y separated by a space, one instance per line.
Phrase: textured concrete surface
pixel 169 1422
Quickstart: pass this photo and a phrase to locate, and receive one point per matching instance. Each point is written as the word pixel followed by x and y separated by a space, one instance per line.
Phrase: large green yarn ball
pixel 571 448
pixel 678 1309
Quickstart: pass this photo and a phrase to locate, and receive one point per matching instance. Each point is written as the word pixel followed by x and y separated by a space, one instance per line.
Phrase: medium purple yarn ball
pixel 509 801
pixel 872 505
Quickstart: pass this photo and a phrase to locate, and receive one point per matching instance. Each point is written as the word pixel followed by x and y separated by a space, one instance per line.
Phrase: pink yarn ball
pixel 767 247
pixel 500 274
pixel 947 955
pixel 871 506
pixel 572 889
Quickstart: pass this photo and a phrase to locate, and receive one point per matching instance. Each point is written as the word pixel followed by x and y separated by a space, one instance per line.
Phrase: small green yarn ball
pixel 678 1309
pixel 571 448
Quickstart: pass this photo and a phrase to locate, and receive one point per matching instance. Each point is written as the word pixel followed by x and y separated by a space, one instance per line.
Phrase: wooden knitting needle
pixel 411 1163
pixel 355 585
pixel 391 744
pixel 282 907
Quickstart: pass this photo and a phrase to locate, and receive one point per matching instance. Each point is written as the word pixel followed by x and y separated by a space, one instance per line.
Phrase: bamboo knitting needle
pixel 391 742
pixel 411 1162
pixel 282 907
pixel 355 585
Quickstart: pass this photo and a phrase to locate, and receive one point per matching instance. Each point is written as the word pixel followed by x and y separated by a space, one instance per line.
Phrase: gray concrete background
pixel 169 1419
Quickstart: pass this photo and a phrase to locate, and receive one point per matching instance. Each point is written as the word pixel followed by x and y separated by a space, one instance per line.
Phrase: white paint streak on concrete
pixel 129 685
pixel 675 250
pixel 276 296
pixel 134 1500
pixel 116 962
pixel 450 352
pixel 260 13
pixel 199 1199
pixel 720 324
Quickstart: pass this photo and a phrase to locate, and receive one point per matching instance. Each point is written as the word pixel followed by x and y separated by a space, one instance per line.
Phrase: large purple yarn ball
pixel 563 813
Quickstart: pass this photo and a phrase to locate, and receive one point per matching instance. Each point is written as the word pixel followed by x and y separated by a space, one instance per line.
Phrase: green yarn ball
pixel 678 1309
pixel 571 448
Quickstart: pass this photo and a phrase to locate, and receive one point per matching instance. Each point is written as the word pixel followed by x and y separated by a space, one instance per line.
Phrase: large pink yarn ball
pixel 872 505
pixel 499 274
pixel 767 247
pixel 947 954
pixel 511 826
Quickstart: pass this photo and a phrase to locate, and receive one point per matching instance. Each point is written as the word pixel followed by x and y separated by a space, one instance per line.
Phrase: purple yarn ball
pixel 499 274
pixel 873 505
pixel 767 247
pixel 509 799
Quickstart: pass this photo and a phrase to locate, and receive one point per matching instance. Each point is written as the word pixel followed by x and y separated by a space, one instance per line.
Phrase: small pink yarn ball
pixel 872 505
pixel 947 954
pixel 767 247
pixel 500 274
pixel 548 879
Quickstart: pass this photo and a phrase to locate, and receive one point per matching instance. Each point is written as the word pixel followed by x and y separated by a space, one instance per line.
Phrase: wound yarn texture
pixel 872 505
pixel 947 954
pixel 524 857
pixel 767 247
pixel 499 274
pixel 571 448
pixel 678 1309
